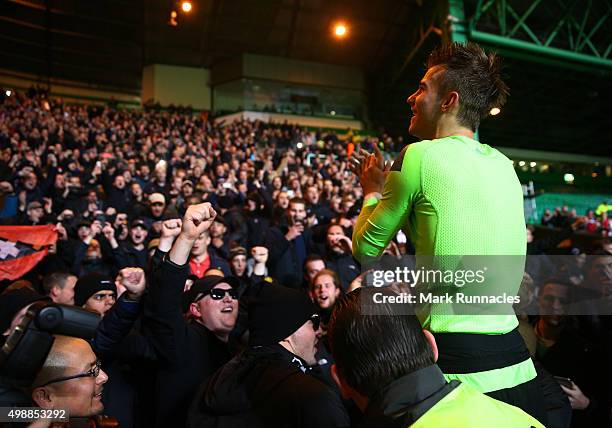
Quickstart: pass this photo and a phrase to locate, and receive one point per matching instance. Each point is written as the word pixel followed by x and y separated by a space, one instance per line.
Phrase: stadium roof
pixel 107 42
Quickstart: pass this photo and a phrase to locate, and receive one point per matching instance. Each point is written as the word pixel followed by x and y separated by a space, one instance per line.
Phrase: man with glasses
pixel 190 349
pixel 70 379
pixel 276 381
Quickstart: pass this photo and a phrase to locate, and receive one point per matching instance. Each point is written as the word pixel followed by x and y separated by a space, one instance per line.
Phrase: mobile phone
pixel 565 381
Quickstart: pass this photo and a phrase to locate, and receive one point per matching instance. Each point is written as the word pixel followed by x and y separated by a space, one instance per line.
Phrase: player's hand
pixel 370 169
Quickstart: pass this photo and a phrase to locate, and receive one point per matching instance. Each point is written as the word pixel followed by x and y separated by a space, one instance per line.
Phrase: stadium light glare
pixel 532 164
pixel 299 145
pixel 340 30
pixel 568 178
pixel 495 111
pixel 522 163
pixel 186 6
pixel 8 92
pixel 173 22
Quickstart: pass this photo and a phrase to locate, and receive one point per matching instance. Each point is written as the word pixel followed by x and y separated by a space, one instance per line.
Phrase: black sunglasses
pixel 93 372
pixel 219 293
pixel 316 321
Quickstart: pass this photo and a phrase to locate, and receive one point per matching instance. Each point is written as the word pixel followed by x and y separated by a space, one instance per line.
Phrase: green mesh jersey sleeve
pixel 379 221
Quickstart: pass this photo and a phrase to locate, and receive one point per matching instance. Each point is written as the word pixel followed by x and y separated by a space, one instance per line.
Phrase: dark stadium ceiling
pixel 107 42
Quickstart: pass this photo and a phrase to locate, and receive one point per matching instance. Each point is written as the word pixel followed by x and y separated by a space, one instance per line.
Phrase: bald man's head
pixel 55 364
pixel 70 379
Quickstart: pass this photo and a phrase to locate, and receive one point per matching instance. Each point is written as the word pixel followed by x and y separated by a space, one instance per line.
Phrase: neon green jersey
pixel 454 197
pixel 464 407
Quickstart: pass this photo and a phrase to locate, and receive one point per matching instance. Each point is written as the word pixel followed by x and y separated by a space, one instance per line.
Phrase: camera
pixel 26 348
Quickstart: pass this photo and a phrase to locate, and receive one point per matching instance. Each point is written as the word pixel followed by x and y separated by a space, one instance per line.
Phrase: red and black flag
pixel 22 247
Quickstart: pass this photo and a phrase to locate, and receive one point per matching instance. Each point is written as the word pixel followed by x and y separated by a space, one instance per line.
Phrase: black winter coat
pixel 266 387
pixel 189 351
pixel 285 267
pixel 344 265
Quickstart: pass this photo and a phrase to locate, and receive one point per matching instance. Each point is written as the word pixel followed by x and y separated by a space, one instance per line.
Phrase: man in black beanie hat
pixel 271 383
pixel 95 292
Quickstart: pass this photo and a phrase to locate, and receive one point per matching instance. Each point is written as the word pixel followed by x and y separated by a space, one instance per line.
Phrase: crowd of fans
pixel 595 221
pixel 125 192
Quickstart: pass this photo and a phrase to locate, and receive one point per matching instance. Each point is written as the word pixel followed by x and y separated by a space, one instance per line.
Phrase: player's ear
pixel 450 101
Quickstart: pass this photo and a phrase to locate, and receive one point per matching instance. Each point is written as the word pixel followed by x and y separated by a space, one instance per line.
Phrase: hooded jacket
pixel 266 387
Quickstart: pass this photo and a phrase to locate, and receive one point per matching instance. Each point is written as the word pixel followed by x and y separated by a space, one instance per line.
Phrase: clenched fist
pixel 133 279
pixel 198 219
pixel 171 228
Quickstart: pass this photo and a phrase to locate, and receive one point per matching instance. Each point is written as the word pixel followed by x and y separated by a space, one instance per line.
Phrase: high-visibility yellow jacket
pixel 466 407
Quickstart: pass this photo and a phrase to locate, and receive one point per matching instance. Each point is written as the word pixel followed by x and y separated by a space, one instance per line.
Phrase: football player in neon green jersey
pixel 455 197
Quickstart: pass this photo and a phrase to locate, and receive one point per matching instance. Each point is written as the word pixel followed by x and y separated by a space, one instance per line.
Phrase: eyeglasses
pixel 316 321
pixel 157 204
pixel 93 372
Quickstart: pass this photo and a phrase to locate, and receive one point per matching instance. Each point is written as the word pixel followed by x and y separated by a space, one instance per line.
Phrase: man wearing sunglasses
pixel 214 304
pixel 70 379
pixel 276 381
pixel 190 349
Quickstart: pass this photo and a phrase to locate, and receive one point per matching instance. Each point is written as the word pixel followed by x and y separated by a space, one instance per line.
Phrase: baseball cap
pixel 237 251
pixel 33 205
pixel 139 223
pixel 157 198
pixel 207 283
